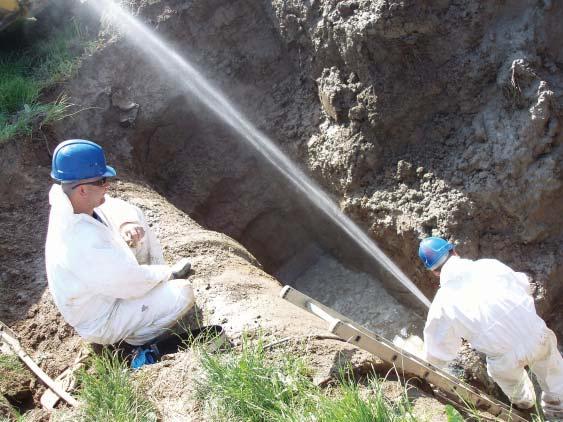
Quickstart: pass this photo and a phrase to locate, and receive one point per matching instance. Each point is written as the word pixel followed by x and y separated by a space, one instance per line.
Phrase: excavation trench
pixel 256 226
pixel 321 113
pixel 225 186
pixel 356 100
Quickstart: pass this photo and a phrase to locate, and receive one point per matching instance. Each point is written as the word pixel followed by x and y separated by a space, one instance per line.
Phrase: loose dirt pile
pixel 358 296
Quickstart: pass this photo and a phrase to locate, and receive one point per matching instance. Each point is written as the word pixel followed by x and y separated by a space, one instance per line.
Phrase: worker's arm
pixel 108 269
pixel 133 227
pixel 441 342
pixel 523 280
pixel 155 249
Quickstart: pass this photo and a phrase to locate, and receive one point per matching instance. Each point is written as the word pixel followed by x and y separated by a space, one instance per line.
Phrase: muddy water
pixel 355 294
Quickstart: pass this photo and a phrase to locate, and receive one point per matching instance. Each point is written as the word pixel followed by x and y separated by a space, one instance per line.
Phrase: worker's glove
pixel 529 287
pixel 181 269
pixel 132 233
pixel 414 345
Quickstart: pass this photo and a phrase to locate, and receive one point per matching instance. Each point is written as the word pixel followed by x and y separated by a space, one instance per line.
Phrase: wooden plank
pixel 8 337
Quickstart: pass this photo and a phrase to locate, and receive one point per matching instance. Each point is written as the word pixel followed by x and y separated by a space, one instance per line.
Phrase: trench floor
pixel 357 295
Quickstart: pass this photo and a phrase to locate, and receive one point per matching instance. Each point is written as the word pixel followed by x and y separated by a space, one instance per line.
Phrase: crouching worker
pixel 105 266
pixel 492 307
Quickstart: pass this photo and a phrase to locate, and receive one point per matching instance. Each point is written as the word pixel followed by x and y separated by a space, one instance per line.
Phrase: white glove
pixel 529 287
pixel 181 268
pixel 414 345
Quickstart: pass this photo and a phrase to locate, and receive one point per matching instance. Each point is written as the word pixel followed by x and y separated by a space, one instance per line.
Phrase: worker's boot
pixel 524 404
pixel 525 396
pixel 552 407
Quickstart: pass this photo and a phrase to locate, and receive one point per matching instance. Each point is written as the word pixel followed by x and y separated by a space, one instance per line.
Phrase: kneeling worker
pixel 491 306
pixel 105 266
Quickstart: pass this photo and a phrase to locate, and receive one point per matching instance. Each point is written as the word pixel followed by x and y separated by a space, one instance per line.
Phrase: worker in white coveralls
pixel 492 307
pixel 105 266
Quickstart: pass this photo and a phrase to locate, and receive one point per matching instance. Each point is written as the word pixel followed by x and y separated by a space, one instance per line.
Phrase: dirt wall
pixel 419 117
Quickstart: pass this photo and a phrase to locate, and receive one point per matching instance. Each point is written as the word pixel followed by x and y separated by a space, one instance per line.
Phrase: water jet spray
pixel 193 82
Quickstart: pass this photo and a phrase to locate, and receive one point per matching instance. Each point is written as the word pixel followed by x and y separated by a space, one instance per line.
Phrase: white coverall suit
pixel 489 305
pixel 103 288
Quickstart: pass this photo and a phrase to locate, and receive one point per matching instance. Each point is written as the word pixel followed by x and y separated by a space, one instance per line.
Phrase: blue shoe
pixel 144 355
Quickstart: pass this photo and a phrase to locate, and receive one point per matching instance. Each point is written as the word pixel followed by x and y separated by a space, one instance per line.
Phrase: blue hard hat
pixel 77 159
pixel 432 250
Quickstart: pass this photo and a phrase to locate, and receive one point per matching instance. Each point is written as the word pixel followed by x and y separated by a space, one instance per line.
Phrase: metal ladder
pixel 454 389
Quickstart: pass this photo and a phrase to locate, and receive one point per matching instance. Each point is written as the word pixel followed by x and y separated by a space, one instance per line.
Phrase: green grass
pixel 12 375
pixel 256 386
pixel 32 117
pixel 108 393
pixel 57 55
pixel 25 74
pixel 452 414
pixel 10 363
pixel 351 406
pixel 16 91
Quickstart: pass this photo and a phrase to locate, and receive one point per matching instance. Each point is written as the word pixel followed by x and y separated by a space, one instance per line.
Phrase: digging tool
pixel 8 337
pixel 454 389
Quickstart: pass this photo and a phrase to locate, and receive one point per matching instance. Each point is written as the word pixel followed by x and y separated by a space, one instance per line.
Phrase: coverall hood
pixel 454 270
pixel 60 203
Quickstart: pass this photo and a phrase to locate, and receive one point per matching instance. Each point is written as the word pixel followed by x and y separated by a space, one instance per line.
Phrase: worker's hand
pixel 132 233
pixel 181 269
pixel 528 285
pixel 413 344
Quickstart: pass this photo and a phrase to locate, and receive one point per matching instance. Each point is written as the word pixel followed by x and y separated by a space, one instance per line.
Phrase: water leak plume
pixel 192 81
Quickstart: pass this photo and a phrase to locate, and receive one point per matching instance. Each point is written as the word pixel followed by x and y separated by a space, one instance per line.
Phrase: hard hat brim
pixel 110 172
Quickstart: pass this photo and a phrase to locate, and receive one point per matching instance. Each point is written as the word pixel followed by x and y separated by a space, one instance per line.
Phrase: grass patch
pixel 256 386
pixel 453 415
pixel 16 91
pixel 56 58
pixel 14 376
pixel 108 393
pixel 14 386
pixel 32 117
pixel 351 405
pixel 24 74
pixel 10 363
